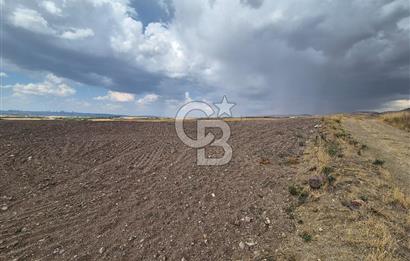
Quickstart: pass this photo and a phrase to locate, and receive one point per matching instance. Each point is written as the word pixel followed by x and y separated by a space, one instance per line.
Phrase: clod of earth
pixel 264 161
pixel 357 203
pixel 353 204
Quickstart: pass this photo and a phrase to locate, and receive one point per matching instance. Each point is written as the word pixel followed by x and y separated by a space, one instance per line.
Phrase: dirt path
pixel 387 143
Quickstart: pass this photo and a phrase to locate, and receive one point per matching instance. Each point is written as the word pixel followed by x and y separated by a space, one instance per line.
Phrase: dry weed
pixel 398 119
pixel 399 198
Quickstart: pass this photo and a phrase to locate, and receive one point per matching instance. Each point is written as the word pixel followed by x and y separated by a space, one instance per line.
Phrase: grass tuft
pixel 378 162
pixel 327 170
pixel 333 149
pixel 306 237
pixel 399 198
pixel 295 190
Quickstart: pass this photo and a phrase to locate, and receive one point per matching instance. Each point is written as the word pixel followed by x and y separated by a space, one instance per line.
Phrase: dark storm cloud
pixel 283 56
pixel 312 56
pixel 78 65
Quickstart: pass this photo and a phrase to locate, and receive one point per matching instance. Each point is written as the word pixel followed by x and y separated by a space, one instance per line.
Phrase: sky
pixel 147 57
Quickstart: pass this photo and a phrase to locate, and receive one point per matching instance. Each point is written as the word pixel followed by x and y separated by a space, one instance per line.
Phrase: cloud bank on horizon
pixel 285 56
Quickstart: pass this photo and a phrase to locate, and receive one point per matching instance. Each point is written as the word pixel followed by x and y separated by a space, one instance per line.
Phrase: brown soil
pixel 91 190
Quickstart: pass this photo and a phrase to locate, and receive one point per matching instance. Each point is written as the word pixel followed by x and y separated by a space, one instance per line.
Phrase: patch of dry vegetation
pixel 357 214
pixel 375 235
pixel 398 119
pixel 399 198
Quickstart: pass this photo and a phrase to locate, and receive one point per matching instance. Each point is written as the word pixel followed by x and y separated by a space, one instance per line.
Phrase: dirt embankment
pixel 357 213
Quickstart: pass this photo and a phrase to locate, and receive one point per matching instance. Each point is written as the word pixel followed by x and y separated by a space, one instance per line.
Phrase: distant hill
pixel 18 113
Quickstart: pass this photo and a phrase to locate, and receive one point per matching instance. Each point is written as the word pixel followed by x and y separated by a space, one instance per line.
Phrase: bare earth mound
pixel 92 190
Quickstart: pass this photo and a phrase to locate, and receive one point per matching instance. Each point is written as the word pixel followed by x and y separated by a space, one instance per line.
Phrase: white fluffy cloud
pixel 112 30
pixel 156 49
pixel 147 99
pixel 161 51
pixel 116 97
pixel 30 19
pixel 52 86
pixel 75 34
pixel 3 74
pixel 51 7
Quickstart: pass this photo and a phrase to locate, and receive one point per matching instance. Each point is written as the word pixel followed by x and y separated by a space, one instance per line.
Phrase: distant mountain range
pixel 19 113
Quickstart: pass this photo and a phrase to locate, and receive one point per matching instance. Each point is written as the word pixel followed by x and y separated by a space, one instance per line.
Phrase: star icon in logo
pixel 224 108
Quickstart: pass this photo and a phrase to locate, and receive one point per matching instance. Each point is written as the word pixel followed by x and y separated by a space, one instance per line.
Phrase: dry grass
pixel 335 117
pixel 379 238
pixel 398 119
pixel 399 198
pixel 374 235
pixel 323 157
pixel 373 231
pixel 291 161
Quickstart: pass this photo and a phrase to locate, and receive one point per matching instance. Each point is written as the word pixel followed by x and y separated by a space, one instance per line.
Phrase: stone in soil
pixel 315 182
pixel 357 203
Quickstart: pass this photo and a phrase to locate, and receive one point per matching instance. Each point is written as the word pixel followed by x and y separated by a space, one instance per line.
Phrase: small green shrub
pixel 306 237
pixel 365 198
pixel 333 149
pixel 299 192
pixel 290 211
pixel 303 196
pixel 378 162
pixel 295 190
pixel 330 179
pixel 353 142
pixel 340 134
pixel 327 170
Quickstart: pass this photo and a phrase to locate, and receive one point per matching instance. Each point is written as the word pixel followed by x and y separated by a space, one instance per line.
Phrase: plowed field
pixel 79 190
